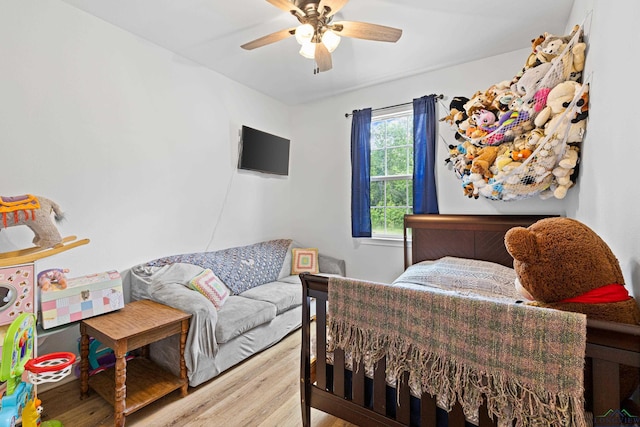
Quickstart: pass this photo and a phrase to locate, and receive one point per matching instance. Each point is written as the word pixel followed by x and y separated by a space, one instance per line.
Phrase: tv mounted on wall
pixel 263 152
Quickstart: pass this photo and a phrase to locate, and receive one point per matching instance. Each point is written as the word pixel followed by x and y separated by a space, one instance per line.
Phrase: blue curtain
pixel 425 198
pixel 360 173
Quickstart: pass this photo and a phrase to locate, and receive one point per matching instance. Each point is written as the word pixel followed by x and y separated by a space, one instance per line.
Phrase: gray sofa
pixel 265 305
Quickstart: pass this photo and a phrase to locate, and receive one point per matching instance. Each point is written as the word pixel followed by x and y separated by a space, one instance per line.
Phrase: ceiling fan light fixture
pixel 308 50
pixel 304 33
pixel 318 34
pixel 331 40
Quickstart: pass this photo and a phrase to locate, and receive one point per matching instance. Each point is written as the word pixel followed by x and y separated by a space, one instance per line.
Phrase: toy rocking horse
pixel 35 213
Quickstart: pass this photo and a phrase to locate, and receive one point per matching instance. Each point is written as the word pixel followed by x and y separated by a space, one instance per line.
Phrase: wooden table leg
pixel 144 352
pixel 183 366
pixel 84 361
pixel 121 387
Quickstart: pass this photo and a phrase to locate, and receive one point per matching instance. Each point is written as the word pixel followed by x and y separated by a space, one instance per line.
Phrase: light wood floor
pixel 262 391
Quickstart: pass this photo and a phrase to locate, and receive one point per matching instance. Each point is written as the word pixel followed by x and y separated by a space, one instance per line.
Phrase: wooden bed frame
pixel 434 236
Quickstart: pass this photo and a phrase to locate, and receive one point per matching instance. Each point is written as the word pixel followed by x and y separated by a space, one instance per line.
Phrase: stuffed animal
pixel 562 264
pixel 528 83
pixel 457 112
pixel 552 45
pixel 483 161
pixel 563 123
pixel 578 56
pixel 460 157
pixel 540 104
pixel 532 60
pixel 550 48
pixel 35 213
pixel 484 119
pixel 583 104
pixel 557 101
pixel 564 172
pixel 47 278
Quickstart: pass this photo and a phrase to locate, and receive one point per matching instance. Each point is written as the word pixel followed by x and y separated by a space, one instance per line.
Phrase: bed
pixel 366 397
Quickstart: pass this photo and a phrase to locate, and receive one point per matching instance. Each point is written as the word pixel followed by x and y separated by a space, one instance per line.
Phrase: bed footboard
pixel 351 395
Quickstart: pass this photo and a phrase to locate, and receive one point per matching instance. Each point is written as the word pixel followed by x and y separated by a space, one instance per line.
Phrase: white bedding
pixel 464 276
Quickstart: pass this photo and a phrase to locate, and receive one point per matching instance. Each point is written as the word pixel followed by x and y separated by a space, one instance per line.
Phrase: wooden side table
pixel 137 325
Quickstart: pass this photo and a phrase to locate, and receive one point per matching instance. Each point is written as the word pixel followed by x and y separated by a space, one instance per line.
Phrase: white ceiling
pixel 436 34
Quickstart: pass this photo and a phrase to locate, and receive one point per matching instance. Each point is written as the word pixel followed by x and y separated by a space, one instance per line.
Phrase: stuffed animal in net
pixel 457 114
pixel 563 264
pixel 53 276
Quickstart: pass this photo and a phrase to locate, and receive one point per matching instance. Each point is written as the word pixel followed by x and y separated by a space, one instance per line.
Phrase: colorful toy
pixel 35 213
pixel 20 401
pixel 53 276
pixel 17 289
pixel 16 352
pixel 100 357
pixel 31 413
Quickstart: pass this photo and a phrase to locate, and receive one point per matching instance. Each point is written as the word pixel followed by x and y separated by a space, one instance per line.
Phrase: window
pixel 391 172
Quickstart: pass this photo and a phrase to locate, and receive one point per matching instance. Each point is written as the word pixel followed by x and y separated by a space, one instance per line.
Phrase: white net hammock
pixel 522 138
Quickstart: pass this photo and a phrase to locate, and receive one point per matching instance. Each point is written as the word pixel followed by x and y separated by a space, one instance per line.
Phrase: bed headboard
pixel 479 237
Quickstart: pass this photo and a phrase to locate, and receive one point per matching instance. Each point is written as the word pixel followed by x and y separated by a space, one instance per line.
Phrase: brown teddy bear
pixel 561 263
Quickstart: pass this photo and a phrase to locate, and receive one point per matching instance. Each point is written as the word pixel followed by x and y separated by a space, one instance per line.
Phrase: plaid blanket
pixel 526 361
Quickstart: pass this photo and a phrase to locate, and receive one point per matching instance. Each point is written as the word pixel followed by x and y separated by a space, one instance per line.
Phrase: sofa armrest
pixel 167 285
pixel 330 265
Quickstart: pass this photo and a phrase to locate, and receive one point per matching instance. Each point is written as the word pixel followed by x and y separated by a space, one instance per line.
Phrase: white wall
pixel 136 144
pixel 322 168
pixel 609 195
pixel 606 195
pixel 604 198
pixel 139 145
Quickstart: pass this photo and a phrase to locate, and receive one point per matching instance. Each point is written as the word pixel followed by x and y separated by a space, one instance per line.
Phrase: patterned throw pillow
pixel 209 285
pixel 304 260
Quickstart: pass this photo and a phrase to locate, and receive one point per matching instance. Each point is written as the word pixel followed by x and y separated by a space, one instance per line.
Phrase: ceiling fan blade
pixel 366 31
pixel 333 6
pixel 323 57
pixel 287 6
pixel 269 38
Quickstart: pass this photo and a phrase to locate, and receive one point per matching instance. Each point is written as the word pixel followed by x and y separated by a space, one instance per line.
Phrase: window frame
pixel 400 111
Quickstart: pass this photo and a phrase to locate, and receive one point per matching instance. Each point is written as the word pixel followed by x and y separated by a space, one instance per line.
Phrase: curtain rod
pixel 441 96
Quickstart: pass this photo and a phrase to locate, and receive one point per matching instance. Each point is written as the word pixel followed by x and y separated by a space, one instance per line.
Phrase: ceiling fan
pixel 318 34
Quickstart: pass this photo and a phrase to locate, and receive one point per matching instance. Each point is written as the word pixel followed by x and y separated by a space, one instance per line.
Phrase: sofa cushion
pixel 240 314
pixel 284 296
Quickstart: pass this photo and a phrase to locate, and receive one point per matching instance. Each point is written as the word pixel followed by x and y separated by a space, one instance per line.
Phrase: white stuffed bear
pixel 558 100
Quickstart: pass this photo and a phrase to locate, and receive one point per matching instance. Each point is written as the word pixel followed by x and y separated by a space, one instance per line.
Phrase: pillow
pixel 466 276
pixel 209 285
pixel 285 271
pixel 304 260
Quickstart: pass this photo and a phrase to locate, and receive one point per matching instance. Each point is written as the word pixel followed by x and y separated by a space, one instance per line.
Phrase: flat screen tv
pixel 263 152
